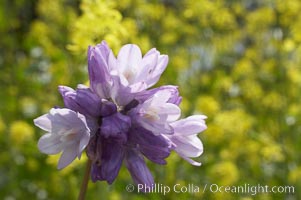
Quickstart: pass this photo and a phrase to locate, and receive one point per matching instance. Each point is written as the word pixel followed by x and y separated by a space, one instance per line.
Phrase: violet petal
pixel 138 169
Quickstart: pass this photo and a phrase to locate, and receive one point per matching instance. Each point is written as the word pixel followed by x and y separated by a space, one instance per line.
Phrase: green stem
pixel 85 182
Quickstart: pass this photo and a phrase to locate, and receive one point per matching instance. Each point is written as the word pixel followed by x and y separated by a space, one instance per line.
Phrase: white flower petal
pixel 50 144
pixel 65 121
pixel 190 125
pixel 151 51
pixel 137 87
pixel 188 146
pixel 58 118
pixel 148 65
pixel 193 162
pixel 129 57
pixel 160 97
pixel 68 155
pixel 43 122
pixel 83 142
pixel 158 70
pixel 172 111
pixel 155 128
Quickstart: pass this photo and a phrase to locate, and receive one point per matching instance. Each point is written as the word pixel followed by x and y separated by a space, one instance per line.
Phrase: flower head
pixel 119 120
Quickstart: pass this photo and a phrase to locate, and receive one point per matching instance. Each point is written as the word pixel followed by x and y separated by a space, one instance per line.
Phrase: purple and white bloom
pixel 134 69
pixel 122 77
pixel 119 120
pixel 187 144
pixel 67 132
pixel 156 113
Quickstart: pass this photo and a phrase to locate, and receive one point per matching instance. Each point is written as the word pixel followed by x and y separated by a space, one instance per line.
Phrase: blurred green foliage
pixel 236 61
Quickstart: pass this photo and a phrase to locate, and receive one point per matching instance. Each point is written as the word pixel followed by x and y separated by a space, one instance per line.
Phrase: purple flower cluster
pixel 118 120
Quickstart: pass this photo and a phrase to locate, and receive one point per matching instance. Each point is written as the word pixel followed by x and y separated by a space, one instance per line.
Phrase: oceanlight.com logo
pixel 249 189
pixel 212 188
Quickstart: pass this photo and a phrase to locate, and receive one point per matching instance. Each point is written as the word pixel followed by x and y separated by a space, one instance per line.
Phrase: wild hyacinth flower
pixel 185 139
pixel 122 77
pixel 67 132
pixel 119 120
pixel 156 113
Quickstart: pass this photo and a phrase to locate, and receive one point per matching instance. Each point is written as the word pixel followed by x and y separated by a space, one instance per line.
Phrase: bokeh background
pixel 236 61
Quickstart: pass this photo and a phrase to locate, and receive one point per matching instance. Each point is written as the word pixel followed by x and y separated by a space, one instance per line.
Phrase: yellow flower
pixel 225 172
pixel 20 132
pixel 232 123
pixel 271 151
pixel 294 175
pixel 208 105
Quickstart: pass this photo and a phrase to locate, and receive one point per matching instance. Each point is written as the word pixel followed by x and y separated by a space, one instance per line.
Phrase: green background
pixel 236 61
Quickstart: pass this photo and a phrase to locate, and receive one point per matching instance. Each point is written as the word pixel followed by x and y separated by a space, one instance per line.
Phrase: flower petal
pixel 173 90
pixel 161 96
pixel 148 64
pixel 116 125
pixel 98 68
pixel 68 155
pixel 190 146
pixel 66 120
pixel 155 147
pixel 137 87
pixel 120 93
pixel 43 122
pixel 172 111
pixel 111 159
pixel 138 169
pixel 128 58
pixel 154 127
pixel 107 108
pixel 190 125
pixel 190 160
pixel 62 120
pixel 50 144
pixel 82 100
pixel 158 70
pixel 83 143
